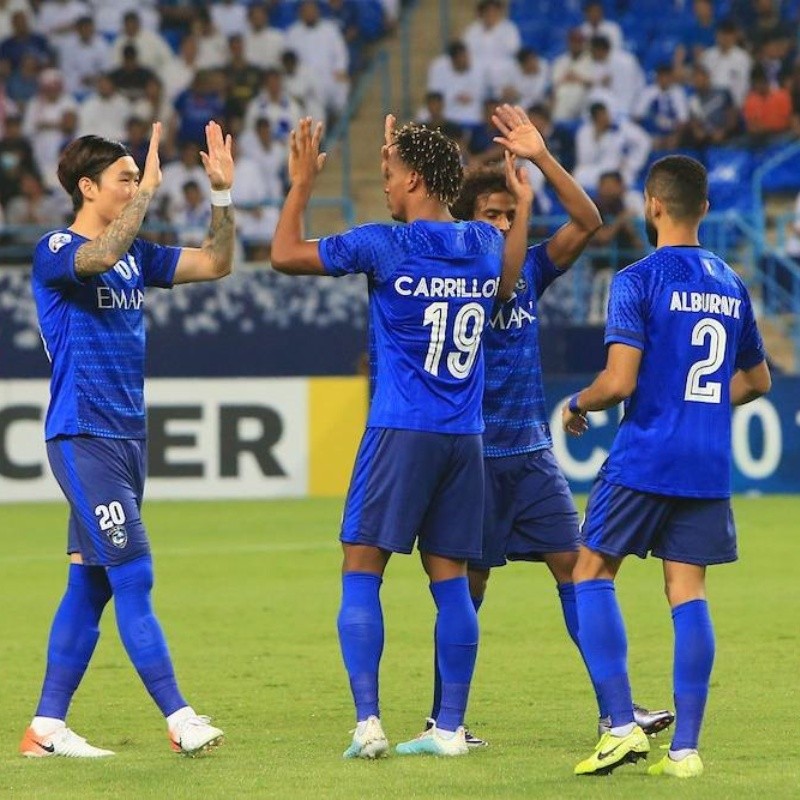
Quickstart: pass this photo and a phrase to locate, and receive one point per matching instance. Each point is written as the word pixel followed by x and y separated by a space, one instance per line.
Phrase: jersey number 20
pixel 467 330
pixel 710 391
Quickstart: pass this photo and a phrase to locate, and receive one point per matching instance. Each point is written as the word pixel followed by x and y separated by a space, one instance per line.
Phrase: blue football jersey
pixel 513 397
pixel 431 289
pixel 690 315
pixel 93 332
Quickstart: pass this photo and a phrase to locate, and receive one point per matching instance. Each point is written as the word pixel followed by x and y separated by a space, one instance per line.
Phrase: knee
pixel 680 592
pixel 133 576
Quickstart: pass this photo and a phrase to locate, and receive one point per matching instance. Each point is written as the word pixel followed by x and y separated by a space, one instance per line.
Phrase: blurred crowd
pixel 619 84
pixel 112 67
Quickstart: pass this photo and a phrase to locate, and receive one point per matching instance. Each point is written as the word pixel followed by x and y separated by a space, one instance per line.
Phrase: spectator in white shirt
pixel 299 83
pixel 321 47
pixel 153 52
pixel 595 24
pixel 728 64
pixel 493 37
pixel 617 78
pixel 604 146
pixel 572 78
pixel 663 110
pixel 56 19
pixel 263 45
pixel 524 81
pixel 109 15
pixel 462 84
pixel 212 45
pixel 7 9
pixel 192 217
pixel 270 155
pixel 175 174
pixel 179 73
pixel 275 104
pixel 104 113
pixel 229 17
pixel 50 119
pixel 85 55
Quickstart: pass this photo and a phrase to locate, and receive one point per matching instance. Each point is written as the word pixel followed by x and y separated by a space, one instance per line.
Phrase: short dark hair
pixel 681 184
pixel 86 157
pixel 477 183
pixel 436 157
pixel 455 48
pixel 600 42
pixel 613 174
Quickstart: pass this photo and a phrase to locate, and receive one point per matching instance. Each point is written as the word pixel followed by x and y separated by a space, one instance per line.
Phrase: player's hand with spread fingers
pixel 305 159
pixel 517 182
pixel 151 175
pixel 389 127
pixel 518 134
pixel 574 422
pixel 218 158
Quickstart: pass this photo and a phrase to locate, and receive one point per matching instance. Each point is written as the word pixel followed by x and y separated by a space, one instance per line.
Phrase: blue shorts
pixel 621 521
pixel 528 510
pixel 103 481
pixel 409 485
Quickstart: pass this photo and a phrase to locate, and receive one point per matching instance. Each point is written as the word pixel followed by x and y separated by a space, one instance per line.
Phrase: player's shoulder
pixel 53 241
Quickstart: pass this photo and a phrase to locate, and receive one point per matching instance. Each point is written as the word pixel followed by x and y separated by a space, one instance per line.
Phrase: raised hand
pixel 389 125
pixel 151 176
pixel 218 160
pixel 517 181
pixel 519 135
pixel 305 159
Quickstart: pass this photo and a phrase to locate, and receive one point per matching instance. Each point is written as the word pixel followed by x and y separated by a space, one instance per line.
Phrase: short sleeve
pixel 540 268
pixel 157 262
pixel 751 347
pixel 355 251
pixel 54 259
pixel 626 311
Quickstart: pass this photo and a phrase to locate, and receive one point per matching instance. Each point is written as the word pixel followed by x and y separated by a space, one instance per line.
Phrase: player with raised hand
pixel 88 282
pixel 418 474
pixel 683 349
pixel 529 512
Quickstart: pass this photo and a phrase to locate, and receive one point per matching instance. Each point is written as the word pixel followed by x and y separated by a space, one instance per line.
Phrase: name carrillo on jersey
pixel 109 298
pixel 408 286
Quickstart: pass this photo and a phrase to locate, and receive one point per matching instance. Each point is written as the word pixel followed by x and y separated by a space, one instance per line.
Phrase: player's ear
pixel 413 180
pixel 88 188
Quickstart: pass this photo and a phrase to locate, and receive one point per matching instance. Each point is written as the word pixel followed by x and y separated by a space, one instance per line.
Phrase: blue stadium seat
pixel 370 19
pixel 729 172
pixel 786 176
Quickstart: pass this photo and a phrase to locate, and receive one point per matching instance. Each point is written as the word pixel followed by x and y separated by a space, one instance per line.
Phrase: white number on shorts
pixel 467 330
pixel 710 391
pixel 110 515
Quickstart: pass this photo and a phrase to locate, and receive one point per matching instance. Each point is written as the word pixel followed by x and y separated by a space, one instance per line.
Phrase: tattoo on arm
pixel 218 243
pixel 102 253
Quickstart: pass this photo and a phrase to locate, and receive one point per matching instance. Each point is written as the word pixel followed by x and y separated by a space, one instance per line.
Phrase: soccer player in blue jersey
pixel 683 349
pixel 88 282
pixel 529 514
pixel 418 475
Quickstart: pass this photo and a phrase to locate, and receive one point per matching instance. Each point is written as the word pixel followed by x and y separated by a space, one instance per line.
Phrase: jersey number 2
pixel 710 391
pixel 467 330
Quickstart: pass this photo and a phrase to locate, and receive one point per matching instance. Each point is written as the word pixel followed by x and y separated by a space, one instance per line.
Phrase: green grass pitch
pixel 248 594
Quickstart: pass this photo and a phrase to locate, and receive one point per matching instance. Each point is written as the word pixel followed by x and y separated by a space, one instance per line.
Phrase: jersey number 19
pixel 466 336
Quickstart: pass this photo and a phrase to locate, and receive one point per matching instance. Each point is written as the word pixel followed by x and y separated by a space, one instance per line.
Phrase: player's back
pixel 432 287
pixel 691 315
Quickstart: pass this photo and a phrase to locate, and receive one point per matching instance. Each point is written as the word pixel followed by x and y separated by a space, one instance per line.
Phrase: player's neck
pixel 678 236
pixel 88 224
pixel 430 211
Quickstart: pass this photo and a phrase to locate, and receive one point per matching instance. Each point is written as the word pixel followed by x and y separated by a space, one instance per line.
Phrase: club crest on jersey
pixel 118 536
pixel 521 285
pixel 58 240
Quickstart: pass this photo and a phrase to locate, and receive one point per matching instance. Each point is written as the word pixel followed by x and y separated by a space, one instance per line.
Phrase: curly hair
pixel 434 156
pixel 477 183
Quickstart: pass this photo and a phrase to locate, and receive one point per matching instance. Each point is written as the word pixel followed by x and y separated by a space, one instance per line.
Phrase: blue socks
pixel 693 660
pixel 73 637
pixel 141 634
pixel 360 625
pixel 604 646
pixel 477 602
pixel 566 594
pixel 457 645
